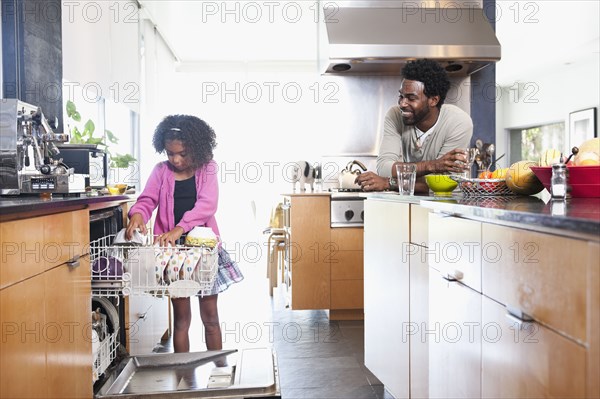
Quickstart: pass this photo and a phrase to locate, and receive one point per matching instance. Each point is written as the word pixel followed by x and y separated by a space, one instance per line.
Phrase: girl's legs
pixel 182 318
pixel 210 318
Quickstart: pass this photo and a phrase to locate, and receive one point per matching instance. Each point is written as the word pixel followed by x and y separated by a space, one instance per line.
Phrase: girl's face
pixel 178 157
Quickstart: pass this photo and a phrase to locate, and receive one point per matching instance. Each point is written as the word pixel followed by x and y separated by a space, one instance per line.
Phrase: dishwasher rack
pixel 128 269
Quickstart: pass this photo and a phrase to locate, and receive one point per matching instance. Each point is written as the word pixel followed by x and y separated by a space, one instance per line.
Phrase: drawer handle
pixel 517 317
pixel 457 275
pixel 142 316
pixel 73 263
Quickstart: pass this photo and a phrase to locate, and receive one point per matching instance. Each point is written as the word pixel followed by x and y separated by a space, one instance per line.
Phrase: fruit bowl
pixel 584 181
pixel 482 187
pixel 441 184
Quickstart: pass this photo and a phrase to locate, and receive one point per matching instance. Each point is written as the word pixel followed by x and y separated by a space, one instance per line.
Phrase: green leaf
pixel 71 109
pixel 76 116
pixel 121 161
pixel 94 140
pixel 89 127
pixel 111 137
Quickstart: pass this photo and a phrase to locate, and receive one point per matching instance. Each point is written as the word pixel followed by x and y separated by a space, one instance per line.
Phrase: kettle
pixel 349 174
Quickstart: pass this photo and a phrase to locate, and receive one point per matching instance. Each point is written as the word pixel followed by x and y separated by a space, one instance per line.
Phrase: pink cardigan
pixel 159 192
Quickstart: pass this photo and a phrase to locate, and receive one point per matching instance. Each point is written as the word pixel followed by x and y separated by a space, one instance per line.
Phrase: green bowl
pixel 441 184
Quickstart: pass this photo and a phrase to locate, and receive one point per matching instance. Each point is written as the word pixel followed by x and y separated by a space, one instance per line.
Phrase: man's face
pixel 414 104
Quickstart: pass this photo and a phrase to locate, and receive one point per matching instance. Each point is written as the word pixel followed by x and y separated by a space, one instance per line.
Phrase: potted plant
pixel 85 135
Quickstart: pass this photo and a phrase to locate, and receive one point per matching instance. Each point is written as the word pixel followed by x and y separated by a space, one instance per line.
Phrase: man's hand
pixel 370 181
pixel 454 161
pixel 136 222
pixel 170 237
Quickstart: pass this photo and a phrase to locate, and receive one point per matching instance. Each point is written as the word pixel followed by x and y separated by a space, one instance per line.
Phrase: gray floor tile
pixel 361 392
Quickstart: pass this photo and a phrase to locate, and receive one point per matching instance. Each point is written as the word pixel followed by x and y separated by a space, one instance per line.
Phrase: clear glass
pixel 407 175
pixel 470 154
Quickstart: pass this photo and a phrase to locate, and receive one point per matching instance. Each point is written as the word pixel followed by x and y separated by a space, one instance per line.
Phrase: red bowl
pixel 584 181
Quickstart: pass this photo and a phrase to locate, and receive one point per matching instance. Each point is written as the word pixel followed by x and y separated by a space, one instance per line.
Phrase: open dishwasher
pixel 122 270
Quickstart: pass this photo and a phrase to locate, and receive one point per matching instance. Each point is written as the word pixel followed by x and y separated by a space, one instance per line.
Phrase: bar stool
pixel 276 244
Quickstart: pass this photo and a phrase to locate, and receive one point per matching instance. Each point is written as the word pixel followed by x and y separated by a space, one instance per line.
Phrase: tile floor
pixel 317 358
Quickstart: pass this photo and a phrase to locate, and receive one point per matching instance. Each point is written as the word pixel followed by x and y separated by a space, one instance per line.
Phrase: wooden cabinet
pixel 528 360
pixel 45 296
pixel 386 282
pixel 310 252
pixel 454 338
pixel 542 275
pixel 326 263
pixel 346 264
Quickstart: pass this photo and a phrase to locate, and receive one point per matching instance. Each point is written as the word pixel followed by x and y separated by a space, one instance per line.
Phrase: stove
pixel 347 210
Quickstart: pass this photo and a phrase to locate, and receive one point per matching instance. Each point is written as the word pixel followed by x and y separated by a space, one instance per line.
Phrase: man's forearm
pixel 423 168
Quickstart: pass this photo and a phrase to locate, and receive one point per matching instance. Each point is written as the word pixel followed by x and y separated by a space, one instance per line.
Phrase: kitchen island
pixel 46 295
pixel 482 297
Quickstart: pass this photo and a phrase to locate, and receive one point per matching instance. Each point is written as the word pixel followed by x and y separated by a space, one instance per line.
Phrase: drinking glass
pixel 407 175
pixel 470 154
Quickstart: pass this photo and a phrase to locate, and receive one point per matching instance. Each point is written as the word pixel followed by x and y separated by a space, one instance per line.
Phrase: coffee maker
pixel 24 134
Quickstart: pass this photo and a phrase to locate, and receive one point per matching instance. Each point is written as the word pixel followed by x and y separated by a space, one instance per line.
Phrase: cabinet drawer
pixel 542 275
pixel 455 248
pixel 347 294
pixel 528 360
pixel 347 265
pixel 419 225
pixel 33 245
pixel 347 238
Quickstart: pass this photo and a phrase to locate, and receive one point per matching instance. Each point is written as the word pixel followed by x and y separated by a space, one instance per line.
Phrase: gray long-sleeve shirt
pixel 453 129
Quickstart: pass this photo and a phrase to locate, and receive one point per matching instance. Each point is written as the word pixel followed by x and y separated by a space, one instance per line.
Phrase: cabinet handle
pixel 457 275
pixel 518 317
pixel 73 263
pixel 142 316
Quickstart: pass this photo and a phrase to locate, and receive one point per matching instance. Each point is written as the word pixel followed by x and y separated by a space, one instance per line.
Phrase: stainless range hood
pixel 378 38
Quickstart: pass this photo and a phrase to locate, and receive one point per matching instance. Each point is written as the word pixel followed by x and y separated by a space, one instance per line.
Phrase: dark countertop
pixel 576 217
pixel 26 204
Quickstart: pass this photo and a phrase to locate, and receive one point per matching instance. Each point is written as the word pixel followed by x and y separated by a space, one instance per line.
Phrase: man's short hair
pixel 431 74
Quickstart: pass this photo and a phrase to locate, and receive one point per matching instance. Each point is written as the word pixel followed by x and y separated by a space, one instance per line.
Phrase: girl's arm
pixel 148 199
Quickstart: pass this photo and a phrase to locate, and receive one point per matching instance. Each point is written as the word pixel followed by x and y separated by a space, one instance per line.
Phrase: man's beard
pixel 416 118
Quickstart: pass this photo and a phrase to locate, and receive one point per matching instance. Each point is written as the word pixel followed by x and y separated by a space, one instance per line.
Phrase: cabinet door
pixel 419 322
pixel 527 360
pixel 542 275
pixel 347 268
pixel 455 248
pixel 386 281
pixel 310 252
pixel 68 333
pixel 23 346
pixel 454 339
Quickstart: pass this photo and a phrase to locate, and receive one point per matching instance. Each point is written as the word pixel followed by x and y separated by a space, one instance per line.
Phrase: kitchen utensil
pixel 347 176
pixel 497 159
pixel 574 151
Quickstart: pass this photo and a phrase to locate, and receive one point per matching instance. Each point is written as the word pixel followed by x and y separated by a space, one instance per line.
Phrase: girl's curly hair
pixel 197 136
pixel 432 75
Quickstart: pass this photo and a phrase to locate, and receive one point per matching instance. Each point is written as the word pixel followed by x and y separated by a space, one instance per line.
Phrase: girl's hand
pixel 136 222
pixel 169 237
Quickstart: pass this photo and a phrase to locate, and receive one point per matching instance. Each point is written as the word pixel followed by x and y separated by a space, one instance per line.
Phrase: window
pixel 530 143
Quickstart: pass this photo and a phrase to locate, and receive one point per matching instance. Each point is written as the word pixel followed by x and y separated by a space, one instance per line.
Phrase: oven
pixel 347 209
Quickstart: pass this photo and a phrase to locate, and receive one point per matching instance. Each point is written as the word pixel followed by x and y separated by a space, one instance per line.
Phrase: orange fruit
pixel 486 174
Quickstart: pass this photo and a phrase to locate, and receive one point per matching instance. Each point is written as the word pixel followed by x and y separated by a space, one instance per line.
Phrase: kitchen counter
pixel 34 205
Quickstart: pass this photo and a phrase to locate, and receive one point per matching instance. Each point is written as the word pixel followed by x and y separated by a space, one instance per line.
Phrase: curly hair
pixel 431 74
pixel 197 136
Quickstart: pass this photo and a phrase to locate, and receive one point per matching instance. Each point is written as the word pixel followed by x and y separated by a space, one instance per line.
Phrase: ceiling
pixel 535 36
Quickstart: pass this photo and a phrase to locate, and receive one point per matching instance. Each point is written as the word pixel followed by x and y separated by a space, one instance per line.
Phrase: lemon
pixel 499 173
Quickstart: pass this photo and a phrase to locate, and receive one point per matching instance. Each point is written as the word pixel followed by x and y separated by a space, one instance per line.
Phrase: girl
pixel 185 190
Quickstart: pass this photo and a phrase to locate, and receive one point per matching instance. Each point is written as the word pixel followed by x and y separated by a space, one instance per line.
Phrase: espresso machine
pixel 25 134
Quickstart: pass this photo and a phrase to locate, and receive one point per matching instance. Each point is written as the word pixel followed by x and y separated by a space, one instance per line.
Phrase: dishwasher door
pixel 244 373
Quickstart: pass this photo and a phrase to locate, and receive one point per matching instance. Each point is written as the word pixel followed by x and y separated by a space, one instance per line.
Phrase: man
pixel 421 129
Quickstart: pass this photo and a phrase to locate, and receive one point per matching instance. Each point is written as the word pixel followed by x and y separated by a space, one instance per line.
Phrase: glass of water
pixel 407 176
